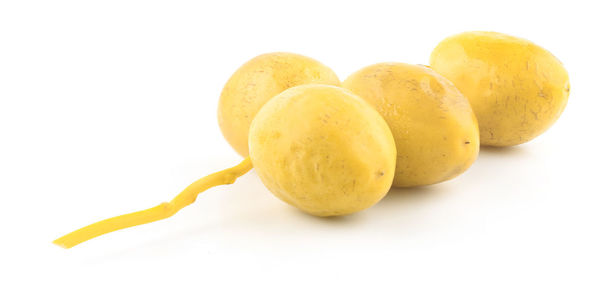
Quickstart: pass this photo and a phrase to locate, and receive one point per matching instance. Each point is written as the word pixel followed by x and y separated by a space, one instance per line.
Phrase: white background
pixel 109 107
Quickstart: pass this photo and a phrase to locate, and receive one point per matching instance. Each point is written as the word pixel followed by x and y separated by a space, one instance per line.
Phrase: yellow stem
pixel 162 211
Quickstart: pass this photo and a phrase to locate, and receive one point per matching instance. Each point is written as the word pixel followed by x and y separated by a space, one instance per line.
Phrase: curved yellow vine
pixel 159 212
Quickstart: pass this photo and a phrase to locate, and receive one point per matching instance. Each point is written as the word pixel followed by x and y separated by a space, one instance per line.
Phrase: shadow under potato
pixel 401 199
pixel 402 202
pixel 413 195
pixel 503 151
pixel 421 192
pixel 330 220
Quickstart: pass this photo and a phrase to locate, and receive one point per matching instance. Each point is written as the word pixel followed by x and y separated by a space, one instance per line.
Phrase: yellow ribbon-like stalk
pixel 159 212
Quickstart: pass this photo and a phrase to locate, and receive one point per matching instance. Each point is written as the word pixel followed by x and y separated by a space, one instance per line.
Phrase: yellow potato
pixel 257 81
pixel 433 125
pixel 516 88
pixel 323 149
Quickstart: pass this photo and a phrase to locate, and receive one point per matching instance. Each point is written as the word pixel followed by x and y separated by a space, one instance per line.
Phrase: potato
pixel 516 88
pixel 433 125
pixel 323 149
pixel 257 81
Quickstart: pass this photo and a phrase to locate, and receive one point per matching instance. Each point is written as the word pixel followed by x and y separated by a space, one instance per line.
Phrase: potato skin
pixel 433 125
pixel 516 88
pixel 257 81
pixel 323 150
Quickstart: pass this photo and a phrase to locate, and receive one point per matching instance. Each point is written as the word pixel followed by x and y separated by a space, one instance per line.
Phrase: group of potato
pixel 332 148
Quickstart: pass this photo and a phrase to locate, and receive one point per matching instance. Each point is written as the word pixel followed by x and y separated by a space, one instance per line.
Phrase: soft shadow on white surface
pixel 402 204
pixel 250 219
pixel 511 151
pixel 416 195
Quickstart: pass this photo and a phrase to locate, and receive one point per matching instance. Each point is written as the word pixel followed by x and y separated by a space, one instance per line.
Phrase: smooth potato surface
pixel 433 125
pixel 516 88
pixel 323 149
